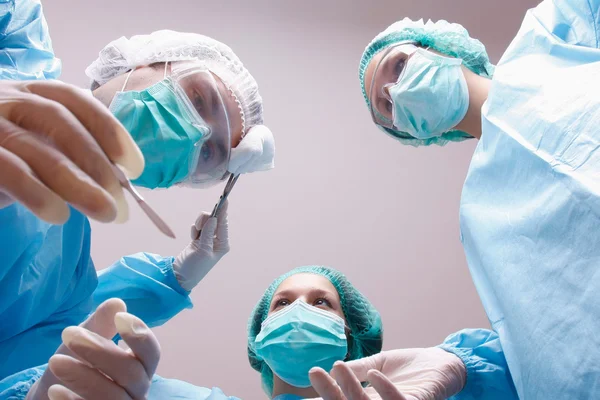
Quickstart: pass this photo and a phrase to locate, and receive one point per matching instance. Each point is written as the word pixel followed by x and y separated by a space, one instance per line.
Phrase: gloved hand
pixel 406 374
pixel 89 365
pixel 256 152
pixel 56 144
pixel 205 250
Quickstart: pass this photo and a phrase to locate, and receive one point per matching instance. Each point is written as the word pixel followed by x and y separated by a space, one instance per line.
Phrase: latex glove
pixel 256 152
pixel 203 253
pixel 89 365
pixel 407 374
pixel 56 144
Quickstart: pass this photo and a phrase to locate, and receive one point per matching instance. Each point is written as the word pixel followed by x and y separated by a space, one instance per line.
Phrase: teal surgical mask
pixel 167 121
pixel 430 97
pixel 298 338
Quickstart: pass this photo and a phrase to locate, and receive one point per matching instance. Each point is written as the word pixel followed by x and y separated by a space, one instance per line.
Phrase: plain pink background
pixel 342 194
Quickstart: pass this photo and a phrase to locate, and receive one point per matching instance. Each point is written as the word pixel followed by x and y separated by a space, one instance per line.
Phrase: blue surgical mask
pixel 156 121
pixel 298 338
pixel 431 96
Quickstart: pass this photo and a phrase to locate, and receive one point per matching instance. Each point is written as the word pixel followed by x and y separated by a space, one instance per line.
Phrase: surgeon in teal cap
pixel 425 83
pixel 309 317
pixel 530 205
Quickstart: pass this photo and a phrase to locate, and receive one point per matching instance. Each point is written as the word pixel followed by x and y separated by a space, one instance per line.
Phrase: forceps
pixel 158 221
pixel 228 187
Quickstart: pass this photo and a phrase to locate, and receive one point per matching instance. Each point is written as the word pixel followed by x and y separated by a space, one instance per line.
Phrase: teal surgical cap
pixel 366 328
pixel 449 39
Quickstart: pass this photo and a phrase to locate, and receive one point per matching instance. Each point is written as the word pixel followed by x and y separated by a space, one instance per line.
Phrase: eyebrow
pixel 314 292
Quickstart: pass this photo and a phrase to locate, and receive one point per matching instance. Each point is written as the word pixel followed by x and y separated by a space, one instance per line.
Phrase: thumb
pixel 140 339
pixel 102 320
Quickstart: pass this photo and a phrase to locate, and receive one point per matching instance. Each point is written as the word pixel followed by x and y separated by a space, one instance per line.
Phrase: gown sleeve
pixel 488 376
pixel 25 47
pixel 148 286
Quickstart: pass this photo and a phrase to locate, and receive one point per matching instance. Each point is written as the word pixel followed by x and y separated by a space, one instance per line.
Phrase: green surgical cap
pixel 450 39
pixel 366 328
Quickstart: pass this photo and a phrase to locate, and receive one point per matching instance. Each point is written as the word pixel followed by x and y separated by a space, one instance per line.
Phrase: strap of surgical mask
pixel 127 80
pixel 130 72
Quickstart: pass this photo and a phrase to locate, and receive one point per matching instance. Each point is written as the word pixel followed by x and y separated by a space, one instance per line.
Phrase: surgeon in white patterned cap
pixel 190 105
pixel 196 115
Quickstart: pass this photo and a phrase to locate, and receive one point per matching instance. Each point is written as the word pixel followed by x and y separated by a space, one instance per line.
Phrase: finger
pixel 55 122
pixel 386 388
pixel 102 321
pixel 108 132
pixel 348 382
pixel 100 353
pixel 221 245
pixel 19 182
pixel 197 227
pixel 59 392
pixel 325 385
pixel 207 236
pixel 59 173
pixel 362 366
pixel 140 339
pixel 5 200
pixel 85 381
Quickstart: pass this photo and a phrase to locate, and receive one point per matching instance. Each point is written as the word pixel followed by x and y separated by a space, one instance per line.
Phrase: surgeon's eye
pixel 398 68
pixel 322 302
pixel 281 303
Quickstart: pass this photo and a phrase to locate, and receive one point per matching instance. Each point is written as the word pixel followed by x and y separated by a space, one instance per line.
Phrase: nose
pixel 304 298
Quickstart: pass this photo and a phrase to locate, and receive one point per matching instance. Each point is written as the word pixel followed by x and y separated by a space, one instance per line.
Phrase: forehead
pixel 305 283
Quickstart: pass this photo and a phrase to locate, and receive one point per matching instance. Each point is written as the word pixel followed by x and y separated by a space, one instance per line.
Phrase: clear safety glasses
pixel 388 72
pixel 204 101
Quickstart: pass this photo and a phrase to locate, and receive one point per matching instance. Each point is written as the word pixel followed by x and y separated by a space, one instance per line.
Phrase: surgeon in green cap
pixel 310 317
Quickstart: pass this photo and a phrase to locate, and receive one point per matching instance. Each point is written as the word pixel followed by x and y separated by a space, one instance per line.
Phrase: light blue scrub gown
pixel 47 278
pixel 530 213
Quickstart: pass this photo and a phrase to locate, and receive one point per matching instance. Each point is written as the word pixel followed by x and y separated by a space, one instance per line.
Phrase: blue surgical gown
pixel 17 386
pixel 530 210
pixel 47 278
pixel 48 282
